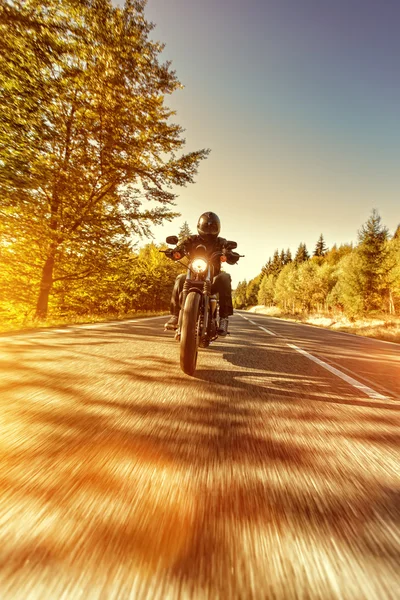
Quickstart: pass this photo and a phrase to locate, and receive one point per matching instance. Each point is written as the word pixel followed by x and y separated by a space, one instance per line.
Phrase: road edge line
pixel 350 380
pixel 368 391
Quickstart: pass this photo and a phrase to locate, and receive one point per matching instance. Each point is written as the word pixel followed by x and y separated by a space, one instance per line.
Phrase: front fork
pixel 206 296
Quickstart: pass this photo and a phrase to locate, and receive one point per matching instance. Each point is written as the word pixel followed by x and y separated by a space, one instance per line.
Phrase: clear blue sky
pixel 299 101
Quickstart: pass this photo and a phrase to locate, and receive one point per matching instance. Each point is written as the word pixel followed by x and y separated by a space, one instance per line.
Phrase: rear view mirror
pixel 172 239
pixel 231 245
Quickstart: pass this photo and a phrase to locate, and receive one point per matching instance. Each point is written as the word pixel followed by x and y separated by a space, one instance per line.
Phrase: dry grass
pixel 385 328
pixel 66 320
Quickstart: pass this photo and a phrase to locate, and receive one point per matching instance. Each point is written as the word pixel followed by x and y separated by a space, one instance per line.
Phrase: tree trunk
pixel 391 303
pixel 46 284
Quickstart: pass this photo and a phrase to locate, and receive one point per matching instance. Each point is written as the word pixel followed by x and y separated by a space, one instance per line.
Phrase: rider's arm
pixel 180 249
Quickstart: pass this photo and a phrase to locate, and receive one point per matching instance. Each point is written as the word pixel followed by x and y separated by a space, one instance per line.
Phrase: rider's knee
pixel 224 279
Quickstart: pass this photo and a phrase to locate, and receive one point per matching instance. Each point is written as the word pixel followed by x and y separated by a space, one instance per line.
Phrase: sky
pixel 299 102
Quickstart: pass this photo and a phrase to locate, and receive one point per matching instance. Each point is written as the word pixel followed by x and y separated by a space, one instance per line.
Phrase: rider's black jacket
pixel 189 245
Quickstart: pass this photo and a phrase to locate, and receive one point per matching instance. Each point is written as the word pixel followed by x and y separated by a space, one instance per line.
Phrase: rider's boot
pixel 172 323
pixel 223 326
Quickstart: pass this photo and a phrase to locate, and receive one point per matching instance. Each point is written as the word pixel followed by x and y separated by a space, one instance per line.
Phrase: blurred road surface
pixel 264 476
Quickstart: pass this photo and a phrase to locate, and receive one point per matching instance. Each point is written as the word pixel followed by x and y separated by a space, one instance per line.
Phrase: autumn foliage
pixel 360 280
pixel 90 156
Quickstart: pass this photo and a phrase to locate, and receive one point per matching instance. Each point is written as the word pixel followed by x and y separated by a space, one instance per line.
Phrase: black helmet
pixel 208 225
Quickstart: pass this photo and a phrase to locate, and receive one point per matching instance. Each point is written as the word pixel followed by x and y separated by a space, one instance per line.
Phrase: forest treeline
pixel 90 158
pixel 356 280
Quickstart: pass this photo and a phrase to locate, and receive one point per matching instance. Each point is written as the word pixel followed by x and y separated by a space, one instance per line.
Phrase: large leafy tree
pixel 239 295
pixel 90 137
pixel 252 290
pixel 394 274
pixel 267 290
pixel 286 288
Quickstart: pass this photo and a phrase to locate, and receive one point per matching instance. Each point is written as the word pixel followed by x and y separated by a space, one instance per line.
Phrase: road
pixel 265 476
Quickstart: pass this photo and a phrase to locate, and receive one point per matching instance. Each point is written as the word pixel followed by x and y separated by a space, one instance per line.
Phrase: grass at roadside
pixel 385 328
pixel 67 320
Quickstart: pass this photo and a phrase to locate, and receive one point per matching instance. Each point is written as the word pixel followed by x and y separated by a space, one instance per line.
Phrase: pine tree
pixel 282 258
pixel 320 248
pixel 184 232
pixel 301 254
pixel 288 256
pixel 396 235
pixel 267 268
pixel 277 264
pixel 373 253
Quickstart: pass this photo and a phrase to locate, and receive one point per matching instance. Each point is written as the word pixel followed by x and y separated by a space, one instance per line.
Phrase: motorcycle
pixel 198 317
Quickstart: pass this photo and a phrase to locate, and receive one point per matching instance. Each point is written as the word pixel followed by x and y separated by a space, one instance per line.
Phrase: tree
pixel 239 295
pixel 267 291
pixel 347 294
pixel 301 254
pixel 394 274
pixel 97 139
pixel 314 283
pixel 335 254
pixel 320 248
pixel 184 232
pixel 372 251
pixel 252 291
pixel 286 295
pixel 276 264
pixel 396 235
pixel 267 268
pixel 288 257
pixel 130 281
pixel 150 279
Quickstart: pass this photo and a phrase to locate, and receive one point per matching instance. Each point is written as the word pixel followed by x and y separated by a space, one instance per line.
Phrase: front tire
pixel 189 333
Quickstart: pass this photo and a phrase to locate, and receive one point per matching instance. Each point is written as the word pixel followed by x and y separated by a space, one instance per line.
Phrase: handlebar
pixel 213 255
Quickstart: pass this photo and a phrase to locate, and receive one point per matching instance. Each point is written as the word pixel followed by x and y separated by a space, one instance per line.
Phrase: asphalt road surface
pixel 267 475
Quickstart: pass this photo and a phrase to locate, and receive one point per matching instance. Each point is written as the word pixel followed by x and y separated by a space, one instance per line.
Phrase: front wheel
pixel 189 333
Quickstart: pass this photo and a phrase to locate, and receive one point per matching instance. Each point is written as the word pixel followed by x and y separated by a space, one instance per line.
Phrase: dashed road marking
pixel 350 380
pixel 268 331
pixel 353 382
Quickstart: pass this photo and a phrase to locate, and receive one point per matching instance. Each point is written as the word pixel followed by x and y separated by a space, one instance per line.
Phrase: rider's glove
pixel 232 257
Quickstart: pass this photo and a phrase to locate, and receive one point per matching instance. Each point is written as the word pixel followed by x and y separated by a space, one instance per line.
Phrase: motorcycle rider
pixel 208 228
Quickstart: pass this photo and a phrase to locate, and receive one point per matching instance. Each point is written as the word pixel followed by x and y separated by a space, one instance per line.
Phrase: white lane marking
pixel 353 382
pixel 335 331
pixel 259 326
pixel 350 380
pixel 268 331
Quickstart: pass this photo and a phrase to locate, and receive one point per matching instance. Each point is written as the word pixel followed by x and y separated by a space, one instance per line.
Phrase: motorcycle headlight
pixel 199 265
